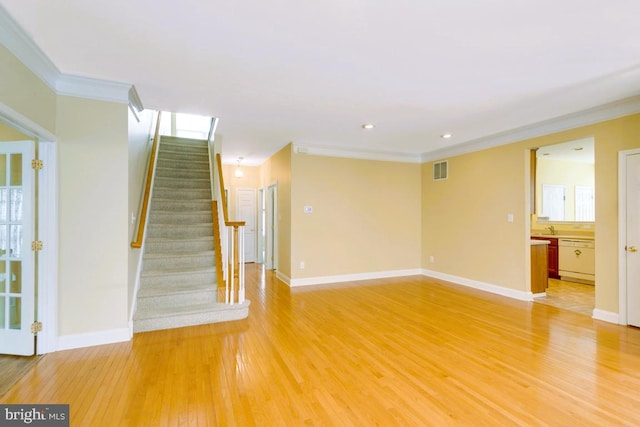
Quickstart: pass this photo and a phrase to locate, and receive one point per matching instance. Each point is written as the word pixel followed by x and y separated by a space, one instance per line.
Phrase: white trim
pixel 357 154
pixel 48 257
pixel 282 277
pixel 622 234
pixel 24 124
pixel 322 280
pixel 606 316
pixel 14 38
pixel 487 287
pixel 85 87
pixel 612 110
pixel 20 44
pixel 134 100
pixel 90 339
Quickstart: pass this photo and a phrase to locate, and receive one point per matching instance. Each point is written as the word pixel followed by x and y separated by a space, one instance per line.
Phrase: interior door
pixel 17 288
pixel 246 211
pixel 553 201
pixel 632 244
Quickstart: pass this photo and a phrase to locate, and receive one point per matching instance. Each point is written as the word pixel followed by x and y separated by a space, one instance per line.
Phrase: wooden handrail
pixel 142 219
pixel 221 184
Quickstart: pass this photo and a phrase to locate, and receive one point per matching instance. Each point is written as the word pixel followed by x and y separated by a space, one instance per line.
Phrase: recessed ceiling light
pixel 446 135
pixel 368 126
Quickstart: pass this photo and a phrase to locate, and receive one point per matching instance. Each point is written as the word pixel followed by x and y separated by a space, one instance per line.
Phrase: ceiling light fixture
pixel 368 126
pixel 238 173
pixel 446 135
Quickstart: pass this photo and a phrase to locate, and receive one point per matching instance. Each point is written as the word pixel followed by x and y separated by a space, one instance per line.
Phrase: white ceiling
pixel 312 73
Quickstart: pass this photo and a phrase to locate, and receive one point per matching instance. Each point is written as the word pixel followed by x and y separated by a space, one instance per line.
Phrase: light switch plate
pixel 308 209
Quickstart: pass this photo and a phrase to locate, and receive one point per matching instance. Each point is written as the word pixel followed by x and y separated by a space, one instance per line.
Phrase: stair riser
pixel 180 218
pixel 160 182
pixel 177 247
pixel 179 262
pixel 179 231
pixel 223 314
pixel 201 278
pixel 178 145
pixel 180 205
pixel 171 163
pixel 181 173
pixel 185 194
pixel 182 156
pixel 148 304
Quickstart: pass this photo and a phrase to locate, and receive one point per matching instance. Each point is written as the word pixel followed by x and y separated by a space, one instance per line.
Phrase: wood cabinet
pixel 539 268
pixel 552 256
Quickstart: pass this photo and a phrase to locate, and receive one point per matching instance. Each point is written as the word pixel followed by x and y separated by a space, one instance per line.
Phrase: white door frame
pixel 260 226
pixel 622 234
pixel 47 273
pixel 271 252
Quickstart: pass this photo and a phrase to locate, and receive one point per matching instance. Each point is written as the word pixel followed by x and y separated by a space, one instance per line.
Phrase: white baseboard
pixel 487 287
pixel 283 278
pixel 90 339
pixel 606 316
pixel 322 280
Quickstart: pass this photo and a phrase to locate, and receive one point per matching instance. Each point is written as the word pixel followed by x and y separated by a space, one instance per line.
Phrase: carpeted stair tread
pixel 151 291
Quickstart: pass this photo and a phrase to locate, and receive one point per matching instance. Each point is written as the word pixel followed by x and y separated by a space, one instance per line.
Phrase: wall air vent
pixel 440 170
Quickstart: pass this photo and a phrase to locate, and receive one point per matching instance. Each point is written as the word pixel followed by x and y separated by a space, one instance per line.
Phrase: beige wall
pixel 25 93
pixel 250 179
pixel 464 218
pixel 7 133
pixel 366 216
pixel 93 215
pixel 277 170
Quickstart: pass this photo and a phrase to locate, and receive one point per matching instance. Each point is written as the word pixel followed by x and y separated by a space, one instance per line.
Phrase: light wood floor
pixel 401 352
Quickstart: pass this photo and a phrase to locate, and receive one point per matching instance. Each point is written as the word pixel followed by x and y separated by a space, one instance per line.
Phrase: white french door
pixel 17 288
pixel 630 236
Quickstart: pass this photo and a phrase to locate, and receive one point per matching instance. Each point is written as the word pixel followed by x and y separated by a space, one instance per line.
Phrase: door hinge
pixel 37 164
pixel 36 245
pixel 36 327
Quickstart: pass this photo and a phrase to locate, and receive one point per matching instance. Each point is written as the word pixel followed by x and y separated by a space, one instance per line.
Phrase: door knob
pixel 631 249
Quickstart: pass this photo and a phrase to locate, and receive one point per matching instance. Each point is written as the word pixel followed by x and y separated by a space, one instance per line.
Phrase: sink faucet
pixel 551 229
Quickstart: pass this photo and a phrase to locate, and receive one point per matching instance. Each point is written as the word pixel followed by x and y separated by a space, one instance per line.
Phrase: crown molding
pixel 609 111
pixel 357 154
pixel 14 38
pixel 100 90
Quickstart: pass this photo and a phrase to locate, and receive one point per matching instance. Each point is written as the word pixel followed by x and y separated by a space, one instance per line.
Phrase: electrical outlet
pixel 301 265
pixel 432 259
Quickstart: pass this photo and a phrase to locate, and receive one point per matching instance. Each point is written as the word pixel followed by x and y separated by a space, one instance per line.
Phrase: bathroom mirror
pixel 565 182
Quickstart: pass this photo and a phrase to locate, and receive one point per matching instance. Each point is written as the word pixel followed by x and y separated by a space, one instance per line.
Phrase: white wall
pixel 139 151
pixel 93 215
